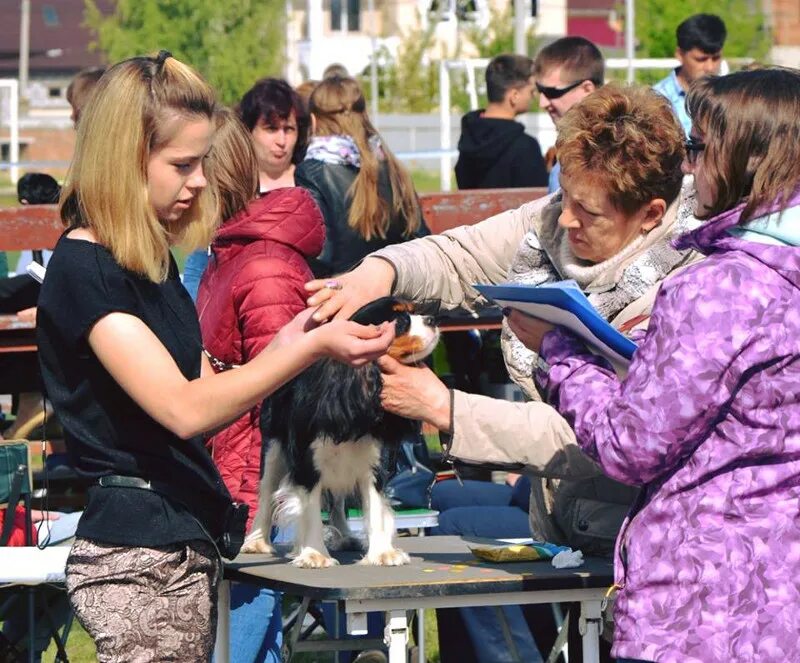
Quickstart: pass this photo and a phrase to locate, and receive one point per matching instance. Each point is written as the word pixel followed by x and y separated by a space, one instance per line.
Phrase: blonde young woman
pixel 122 362
pixel 366 196
pixel 252 287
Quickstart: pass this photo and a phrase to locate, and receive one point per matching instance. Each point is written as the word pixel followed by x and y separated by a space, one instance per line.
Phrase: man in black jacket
pixel 494 150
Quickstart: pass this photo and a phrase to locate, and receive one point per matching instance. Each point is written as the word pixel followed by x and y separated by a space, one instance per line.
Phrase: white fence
pixel 9 120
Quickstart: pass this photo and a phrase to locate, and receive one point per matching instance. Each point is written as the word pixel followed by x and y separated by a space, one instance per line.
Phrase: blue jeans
pixel 193 270
pixel 484 509
pixel 256 627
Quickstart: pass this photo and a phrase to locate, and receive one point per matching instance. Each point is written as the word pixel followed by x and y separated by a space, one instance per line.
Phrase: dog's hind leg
pixel 379 519
pixel 338 535
pixel 312 553
pixel 258 540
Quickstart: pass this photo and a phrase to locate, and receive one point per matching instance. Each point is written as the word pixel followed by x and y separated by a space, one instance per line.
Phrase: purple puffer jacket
pixel 708 421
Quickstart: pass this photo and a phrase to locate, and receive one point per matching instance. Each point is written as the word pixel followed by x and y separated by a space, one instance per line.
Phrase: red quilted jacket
pixel 252 287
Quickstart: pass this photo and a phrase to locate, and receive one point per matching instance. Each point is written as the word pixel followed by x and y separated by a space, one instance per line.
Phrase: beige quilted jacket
pixel 573 503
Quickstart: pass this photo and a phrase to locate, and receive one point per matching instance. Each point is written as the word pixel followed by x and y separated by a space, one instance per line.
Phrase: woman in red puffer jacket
pixel 253 284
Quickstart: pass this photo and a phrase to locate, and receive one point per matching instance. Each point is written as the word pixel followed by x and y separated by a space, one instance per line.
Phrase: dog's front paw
pixel 387 557
pixel 313 559
pixel 257 545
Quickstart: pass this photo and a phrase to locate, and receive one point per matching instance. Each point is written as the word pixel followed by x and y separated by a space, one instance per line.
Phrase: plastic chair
pixel 16 485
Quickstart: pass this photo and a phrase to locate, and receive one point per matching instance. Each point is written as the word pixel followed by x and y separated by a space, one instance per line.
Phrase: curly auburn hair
pixel 627 138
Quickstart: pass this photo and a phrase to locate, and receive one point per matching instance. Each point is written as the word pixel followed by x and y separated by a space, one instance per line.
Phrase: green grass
pixel 426 181
pixel 80 648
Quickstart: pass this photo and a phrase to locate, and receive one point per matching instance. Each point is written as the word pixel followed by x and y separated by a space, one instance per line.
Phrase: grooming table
pixel 443 574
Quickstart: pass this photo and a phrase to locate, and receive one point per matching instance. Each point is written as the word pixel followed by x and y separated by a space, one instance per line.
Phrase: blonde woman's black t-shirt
pixel 105 431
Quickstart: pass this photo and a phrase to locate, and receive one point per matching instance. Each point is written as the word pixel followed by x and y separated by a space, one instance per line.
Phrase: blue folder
pixel 563 303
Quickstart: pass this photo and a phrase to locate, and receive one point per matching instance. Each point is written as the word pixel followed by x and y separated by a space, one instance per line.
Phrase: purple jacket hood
pixel 713 236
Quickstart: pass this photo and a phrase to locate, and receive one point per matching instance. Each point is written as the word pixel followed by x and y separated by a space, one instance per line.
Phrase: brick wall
pixel 46 145
pixel 786 22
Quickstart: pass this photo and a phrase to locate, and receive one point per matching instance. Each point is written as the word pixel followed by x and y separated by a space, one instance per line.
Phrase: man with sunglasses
pixel 700 41
pixel 566 71
pixel 494 152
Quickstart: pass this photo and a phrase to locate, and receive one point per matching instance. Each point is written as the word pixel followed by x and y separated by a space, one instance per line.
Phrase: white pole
pixel 444 125
pixel 24 46
pixel 315 20
pixel 373 65
pixel 14 137
pixel 630 28
pixel 520 14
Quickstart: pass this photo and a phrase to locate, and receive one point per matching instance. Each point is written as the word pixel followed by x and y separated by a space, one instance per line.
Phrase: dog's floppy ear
pixel 381 310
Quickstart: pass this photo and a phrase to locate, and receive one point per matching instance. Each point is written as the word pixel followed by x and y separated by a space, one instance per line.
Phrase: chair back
pixel 16 483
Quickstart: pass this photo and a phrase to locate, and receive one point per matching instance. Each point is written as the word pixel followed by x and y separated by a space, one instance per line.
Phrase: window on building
pixel 336 15
pixel 50 16
pixel 442 10
pixel 354 15
pixel 54 92
pixel 345 18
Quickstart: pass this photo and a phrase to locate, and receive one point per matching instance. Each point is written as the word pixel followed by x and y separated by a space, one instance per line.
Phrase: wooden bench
pixel 39 226
pixel 443 211
pixel 29 227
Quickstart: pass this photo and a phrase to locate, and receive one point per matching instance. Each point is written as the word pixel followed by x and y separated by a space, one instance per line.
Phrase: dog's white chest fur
pixel 341 466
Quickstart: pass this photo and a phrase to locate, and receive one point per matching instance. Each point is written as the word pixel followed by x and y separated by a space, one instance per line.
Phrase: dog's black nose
pixel 429 321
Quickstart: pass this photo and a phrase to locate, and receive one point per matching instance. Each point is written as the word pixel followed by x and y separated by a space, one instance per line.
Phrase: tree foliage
pixel 232 43
pixel 498 37
pixel 409 83
pixel 656 21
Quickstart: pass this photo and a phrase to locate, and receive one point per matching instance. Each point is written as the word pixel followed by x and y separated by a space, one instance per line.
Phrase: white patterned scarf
pixel 545 256
pixel 341 150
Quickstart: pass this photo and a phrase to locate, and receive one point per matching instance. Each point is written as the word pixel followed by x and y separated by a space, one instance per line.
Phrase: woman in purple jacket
pixel 707 420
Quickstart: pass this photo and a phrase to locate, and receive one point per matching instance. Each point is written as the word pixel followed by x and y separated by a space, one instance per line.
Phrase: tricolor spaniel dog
pixel 326 430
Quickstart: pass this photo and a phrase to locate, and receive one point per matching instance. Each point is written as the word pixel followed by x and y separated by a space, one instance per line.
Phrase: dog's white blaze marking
pixel 428 334
pixel 341 466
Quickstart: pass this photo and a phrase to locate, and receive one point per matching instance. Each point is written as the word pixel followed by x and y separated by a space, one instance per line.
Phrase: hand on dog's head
pixel 415 335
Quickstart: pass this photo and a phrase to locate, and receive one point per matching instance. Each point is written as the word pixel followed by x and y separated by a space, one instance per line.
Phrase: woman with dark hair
pixel 707 420
pixel 278 123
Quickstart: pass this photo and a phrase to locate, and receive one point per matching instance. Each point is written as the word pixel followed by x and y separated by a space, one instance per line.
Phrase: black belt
pixel 119 481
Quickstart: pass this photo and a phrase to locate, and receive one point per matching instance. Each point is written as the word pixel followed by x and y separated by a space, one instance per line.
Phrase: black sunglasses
pixel 556 92
pixel 693 148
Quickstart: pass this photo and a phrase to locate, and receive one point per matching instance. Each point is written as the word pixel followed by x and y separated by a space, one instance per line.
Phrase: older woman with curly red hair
pixel 610 229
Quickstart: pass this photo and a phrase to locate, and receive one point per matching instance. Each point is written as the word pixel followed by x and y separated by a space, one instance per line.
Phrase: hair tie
pixel 161 58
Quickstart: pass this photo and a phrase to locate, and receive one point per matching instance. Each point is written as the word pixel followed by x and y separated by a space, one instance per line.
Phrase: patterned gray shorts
pixel 142 605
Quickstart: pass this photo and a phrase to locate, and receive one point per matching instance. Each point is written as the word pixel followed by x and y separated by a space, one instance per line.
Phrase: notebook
pixel 563 303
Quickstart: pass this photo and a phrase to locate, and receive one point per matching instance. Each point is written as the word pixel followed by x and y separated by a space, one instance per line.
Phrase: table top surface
pixel 440 566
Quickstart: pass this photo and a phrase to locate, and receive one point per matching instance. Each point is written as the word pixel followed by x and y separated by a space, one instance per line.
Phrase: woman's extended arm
pixel 143 367
pixel 484 430
pixel 440 268
pixel 684 373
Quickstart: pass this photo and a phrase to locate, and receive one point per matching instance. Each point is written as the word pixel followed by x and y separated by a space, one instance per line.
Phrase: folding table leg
pixel 589 626
pixel 420 635
pixel 222 647
pixel 395 635
pixel 31 624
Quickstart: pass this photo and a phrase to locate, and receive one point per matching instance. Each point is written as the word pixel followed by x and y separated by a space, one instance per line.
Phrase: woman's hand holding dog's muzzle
pixel 415 392
pixel 343 295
